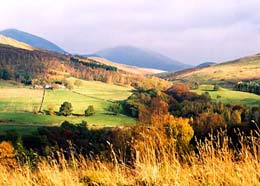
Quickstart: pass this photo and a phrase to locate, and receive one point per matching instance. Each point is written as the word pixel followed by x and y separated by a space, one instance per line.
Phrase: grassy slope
pixel 17 104
pixel 229 96
pixel 242 69
pixel 11 42
pixel 128 68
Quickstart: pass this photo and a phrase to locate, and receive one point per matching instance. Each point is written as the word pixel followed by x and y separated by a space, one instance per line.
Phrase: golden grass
pixel 247 68
pixel 128 68
pixel 214 166
pixel 11 42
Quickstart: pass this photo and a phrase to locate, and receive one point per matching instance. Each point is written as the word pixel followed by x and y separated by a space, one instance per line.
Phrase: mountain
pixel 205 64
pixel 126 68
pixel 243 69
pixel 30 39
pixel 11 42
pixel 142 58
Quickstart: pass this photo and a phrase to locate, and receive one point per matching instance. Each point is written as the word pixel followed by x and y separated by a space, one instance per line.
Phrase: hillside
pixel 127 68
pixel 33 40
pixel 11 42
pixel 247 68
pixel 141 58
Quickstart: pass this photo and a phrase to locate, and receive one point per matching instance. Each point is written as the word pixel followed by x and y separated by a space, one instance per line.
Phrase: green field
pixel 17 104
pixel 229 96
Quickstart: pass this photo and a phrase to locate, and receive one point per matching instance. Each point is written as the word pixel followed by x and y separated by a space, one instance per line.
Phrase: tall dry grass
pixel 156 164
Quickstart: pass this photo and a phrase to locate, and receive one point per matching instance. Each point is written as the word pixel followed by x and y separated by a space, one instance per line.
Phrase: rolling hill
pixel 32 40
pixel 141 58
pixel 11 42
pixel 246 68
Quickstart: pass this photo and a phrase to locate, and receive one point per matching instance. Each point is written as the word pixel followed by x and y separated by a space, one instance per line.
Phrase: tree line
pixel 251 86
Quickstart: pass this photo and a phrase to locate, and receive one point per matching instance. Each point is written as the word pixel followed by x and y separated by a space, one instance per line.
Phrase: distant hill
pixel 126 68
pixel 23 65
pixel 142 58
pixel 11 42
pixel 205 64
pixel 246 68
pixel 33 40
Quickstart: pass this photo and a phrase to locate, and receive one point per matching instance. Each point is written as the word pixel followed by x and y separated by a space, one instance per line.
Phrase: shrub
pixel 7 155
pixel 114 108
pixel 216 88
pixel 90 111
pixel 78 83
pixel 68 84
pixel 51 109
pixel 66 109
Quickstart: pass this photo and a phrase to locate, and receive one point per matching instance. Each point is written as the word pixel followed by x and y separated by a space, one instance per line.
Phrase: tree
pixel 78 83
pixel 66 109
pixel 115 108
pixel 7 155
pixel 4 74
pixel 68 84
pixel 216 88
pixel 90 111
pixel 51 109
pixel 43 82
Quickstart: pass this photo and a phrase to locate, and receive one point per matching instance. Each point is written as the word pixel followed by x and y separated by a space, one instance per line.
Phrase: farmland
pixel 229 96
pixel 19 103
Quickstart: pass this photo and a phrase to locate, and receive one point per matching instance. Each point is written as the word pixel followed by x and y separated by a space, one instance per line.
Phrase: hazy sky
pixel 191 31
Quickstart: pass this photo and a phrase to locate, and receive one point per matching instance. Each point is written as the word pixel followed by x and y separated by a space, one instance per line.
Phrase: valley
pixel 124 116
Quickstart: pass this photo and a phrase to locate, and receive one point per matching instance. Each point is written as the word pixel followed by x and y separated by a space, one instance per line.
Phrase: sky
pixel 190 31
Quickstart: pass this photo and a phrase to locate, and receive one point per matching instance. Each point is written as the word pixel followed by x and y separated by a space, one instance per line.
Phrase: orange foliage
pixel 7 155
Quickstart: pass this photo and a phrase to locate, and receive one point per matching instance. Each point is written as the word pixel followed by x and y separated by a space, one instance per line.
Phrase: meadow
pixel 154 165
pixel 226 96
pixel 18 104
pixel 243 69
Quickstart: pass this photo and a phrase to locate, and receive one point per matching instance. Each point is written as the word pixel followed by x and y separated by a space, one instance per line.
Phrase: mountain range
pixel 127 55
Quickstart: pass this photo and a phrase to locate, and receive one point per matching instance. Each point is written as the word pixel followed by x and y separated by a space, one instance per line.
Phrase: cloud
pixel 191 31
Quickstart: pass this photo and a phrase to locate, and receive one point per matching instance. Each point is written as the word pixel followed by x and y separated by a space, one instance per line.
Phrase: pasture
pixel 19 103
pixel 229 96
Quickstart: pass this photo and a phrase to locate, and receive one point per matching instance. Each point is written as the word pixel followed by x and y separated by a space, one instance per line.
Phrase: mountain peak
pixel 30 39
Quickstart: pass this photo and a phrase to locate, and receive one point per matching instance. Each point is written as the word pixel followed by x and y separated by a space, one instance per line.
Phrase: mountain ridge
pixel 32 40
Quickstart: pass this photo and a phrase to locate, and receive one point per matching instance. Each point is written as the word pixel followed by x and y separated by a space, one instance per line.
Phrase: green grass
pixel 229 96
pixel 18 103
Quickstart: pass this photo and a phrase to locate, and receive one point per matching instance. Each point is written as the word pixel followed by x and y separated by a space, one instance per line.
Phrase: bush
pixel 78 83
pixel 216 88
pixel 115 108
pixel 51 109
pixel 66 109
pixel 90 111
pixel 7 155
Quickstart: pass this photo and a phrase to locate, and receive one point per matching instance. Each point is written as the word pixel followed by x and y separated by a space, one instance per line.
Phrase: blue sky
pixel 191 31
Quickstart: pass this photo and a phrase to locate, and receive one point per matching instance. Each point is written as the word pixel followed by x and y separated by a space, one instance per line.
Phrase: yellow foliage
pixel 7 155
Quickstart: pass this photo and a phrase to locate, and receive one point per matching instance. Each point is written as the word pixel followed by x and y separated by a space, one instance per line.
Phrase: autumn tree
pixel 7 155
pixel 78 83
